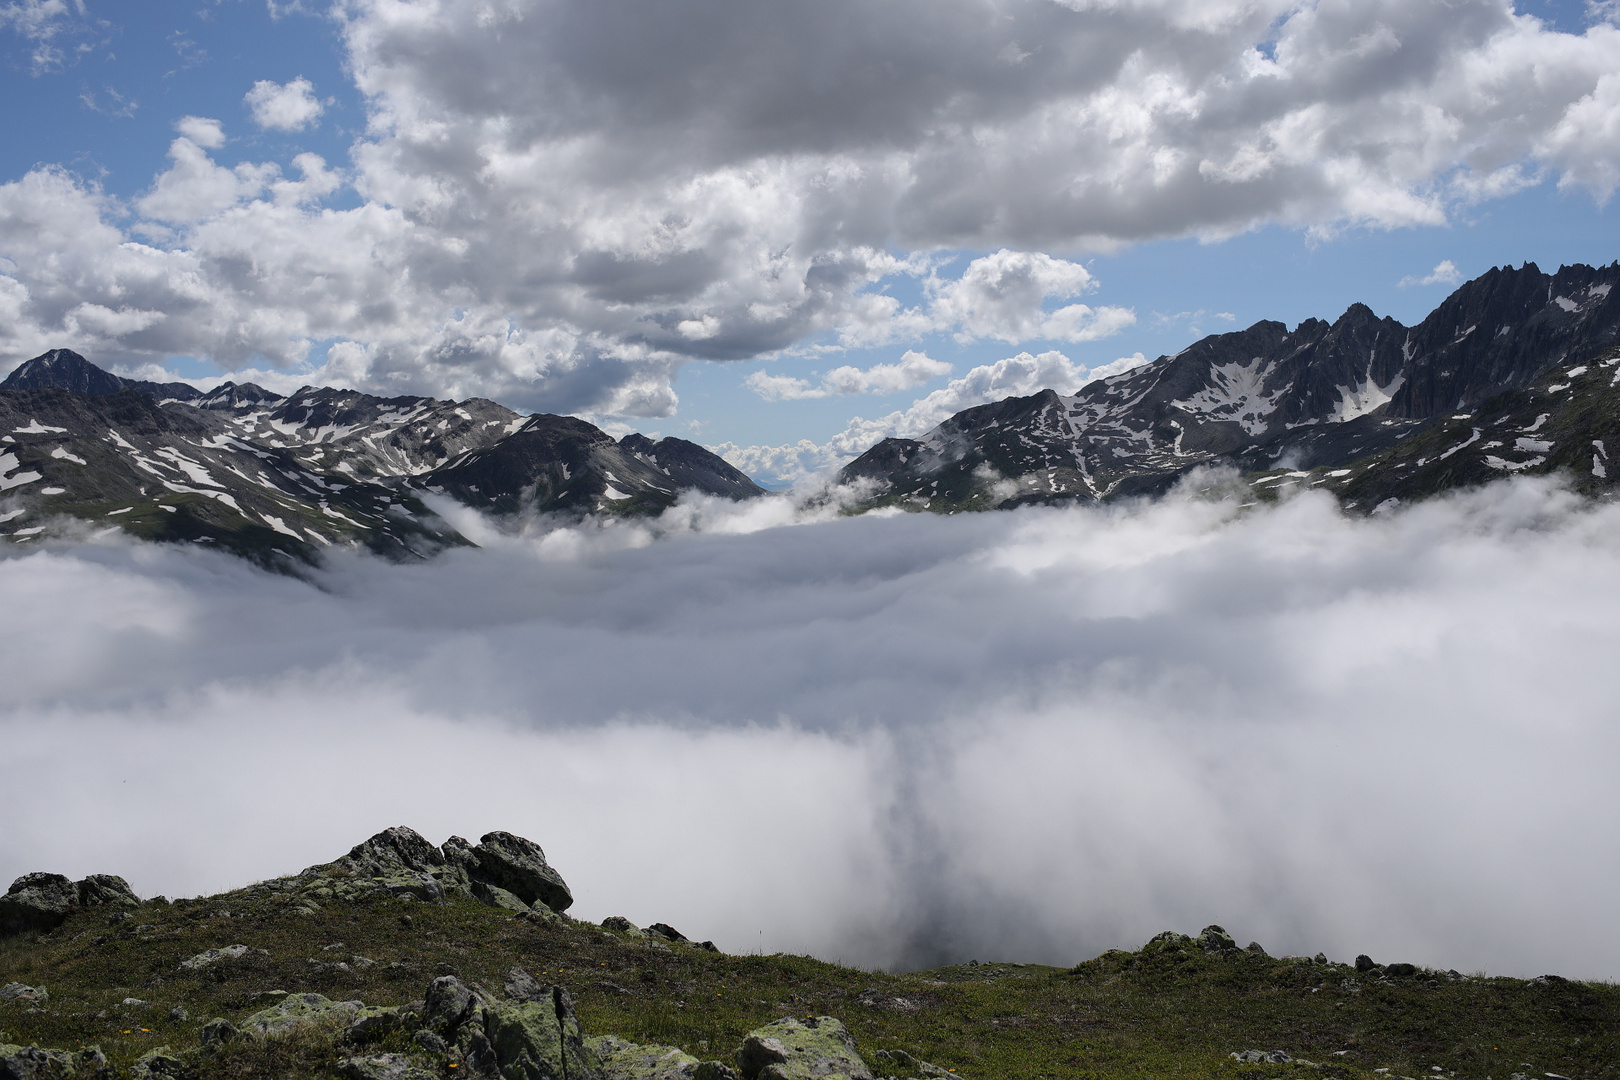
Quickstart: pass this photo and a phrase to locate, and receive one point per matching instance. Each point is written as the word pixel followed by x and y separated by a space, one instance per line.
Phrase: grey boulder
pixel 818 1048
pixel 519 866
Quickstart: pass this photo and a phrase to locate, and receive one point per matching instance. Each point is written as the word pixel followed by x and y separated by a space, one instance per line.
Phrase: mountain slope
pixel 1317 400
pixel 278 479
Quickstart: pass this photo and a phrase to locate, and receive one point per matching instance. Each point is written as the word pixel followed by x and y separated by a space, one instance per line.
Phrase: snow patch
pixel 61 454
pixel 36 428
pixel 1360 400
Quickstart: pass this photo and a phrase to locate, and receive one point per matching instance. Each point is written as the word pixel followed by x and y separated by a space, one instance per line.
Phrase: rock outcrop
pixel 43 901
pixel 502 870
pixel 818 1048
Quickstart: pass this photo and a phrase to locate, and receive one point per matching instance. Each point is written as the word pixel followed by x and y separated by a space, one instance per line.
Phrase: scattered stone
pixel 1400 969
pixel 32 995
pixel 1364 964
pixel 1168 937
pixel 1215 939
pixel 384 1067
pixel 618 923
pixel 666 932
pixel 160 1064
pixel 1255 948
pixel 1320 958
pixel 1269 1057
pixel 300 1010
pixel 218 1032
pixel 132 1003
pixel 809 1049
pixel 214 956
pixel 178 1014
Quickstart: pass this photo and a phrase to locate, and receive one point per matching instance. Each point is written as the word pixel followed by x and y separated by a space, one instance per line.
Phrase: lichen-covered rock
pixel 519 866
pixel 665 932
pixel 161 1064
pixel 620 1059
pixel 495 896
pixel 214 956
pixel 1213 938
pixel 819 1048
pixel 37 901
pixel 539 1039
pixel 218 1032
pixel 32 1063
pixel 899 1065
pixel 299 1010
pixel 373 1023
pixel 399 861
pixel 32 995
pixel 385 1067
pixel 105 890
pixel 1167 939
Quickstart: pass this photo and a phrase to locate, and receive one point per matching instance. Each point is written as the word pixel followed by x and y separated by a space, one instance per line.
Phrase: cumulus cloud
pixel 290 106
pixel 1029 735
pixel 559 204
pixel 914 369
pixel 1002 295
pixel 1444 273
pixel 1014 376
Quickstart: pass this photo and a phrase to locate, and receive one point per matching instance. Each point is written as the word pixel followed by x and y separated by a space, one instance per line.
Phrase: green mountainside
pixel 405 961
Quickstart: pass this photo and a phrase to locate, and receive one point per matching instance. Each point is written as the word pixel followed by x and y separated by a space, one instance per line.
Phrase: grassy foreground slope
pixel 1173 1009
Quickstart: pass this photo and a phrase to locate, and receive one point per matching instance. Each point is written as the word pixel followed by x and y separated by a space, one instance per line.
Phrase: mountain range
pixel 1516 373
pixel 281 478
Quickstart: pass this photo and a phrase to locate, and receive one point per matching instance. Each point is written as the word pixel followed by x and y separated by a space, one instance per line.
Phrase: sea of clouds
pixel 892 740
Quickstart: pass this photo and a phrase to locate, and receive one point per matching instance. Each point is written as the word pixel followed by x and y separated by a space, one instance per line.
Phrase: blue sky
pixel 555 302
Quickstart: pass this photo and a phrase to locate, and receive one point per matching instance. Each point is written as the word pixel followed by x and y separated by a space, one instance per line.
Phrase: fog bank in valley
pixel 891 740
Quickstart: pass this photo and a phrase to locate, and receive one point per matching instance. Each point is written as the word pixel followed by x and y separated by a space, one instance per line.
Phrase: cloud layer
pixel 894 740
pixel 558 203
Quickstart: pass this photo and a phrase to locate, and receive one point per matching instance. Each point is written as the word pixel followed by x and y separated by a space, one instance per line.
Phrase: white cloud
pixel 1444 273
pixel 914 369
pixel 40 22
pixel 1002 296
pixel 1157 716
pixel 290 106
pixel 559 206
pixel 206 133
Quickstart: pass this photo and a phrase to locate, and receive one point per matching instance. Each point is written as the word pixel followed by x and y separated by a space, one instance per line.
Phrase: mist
pixel 892 740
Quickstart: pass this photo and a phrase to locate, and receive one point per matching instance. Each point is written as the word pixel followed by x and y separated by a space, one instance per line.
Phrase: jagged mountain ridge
pixel 279 478
pixel 1340 404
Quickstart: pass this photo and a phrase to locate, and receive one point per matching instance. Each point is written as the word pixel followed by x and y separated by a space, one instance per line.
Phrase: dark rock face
pixel 69 370
pixel 519 866
pixel 1361 394
pixel 691 466
pixel 280 479
pixel 42 901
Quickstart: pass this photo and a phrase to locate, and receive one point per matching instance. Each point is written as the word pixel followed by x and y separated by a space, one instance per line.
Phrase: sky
pixel 784 231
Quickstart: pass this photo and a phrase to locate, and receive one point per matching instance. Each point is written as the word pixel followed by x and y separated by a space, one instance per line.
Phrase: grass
pixel 1168 1011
